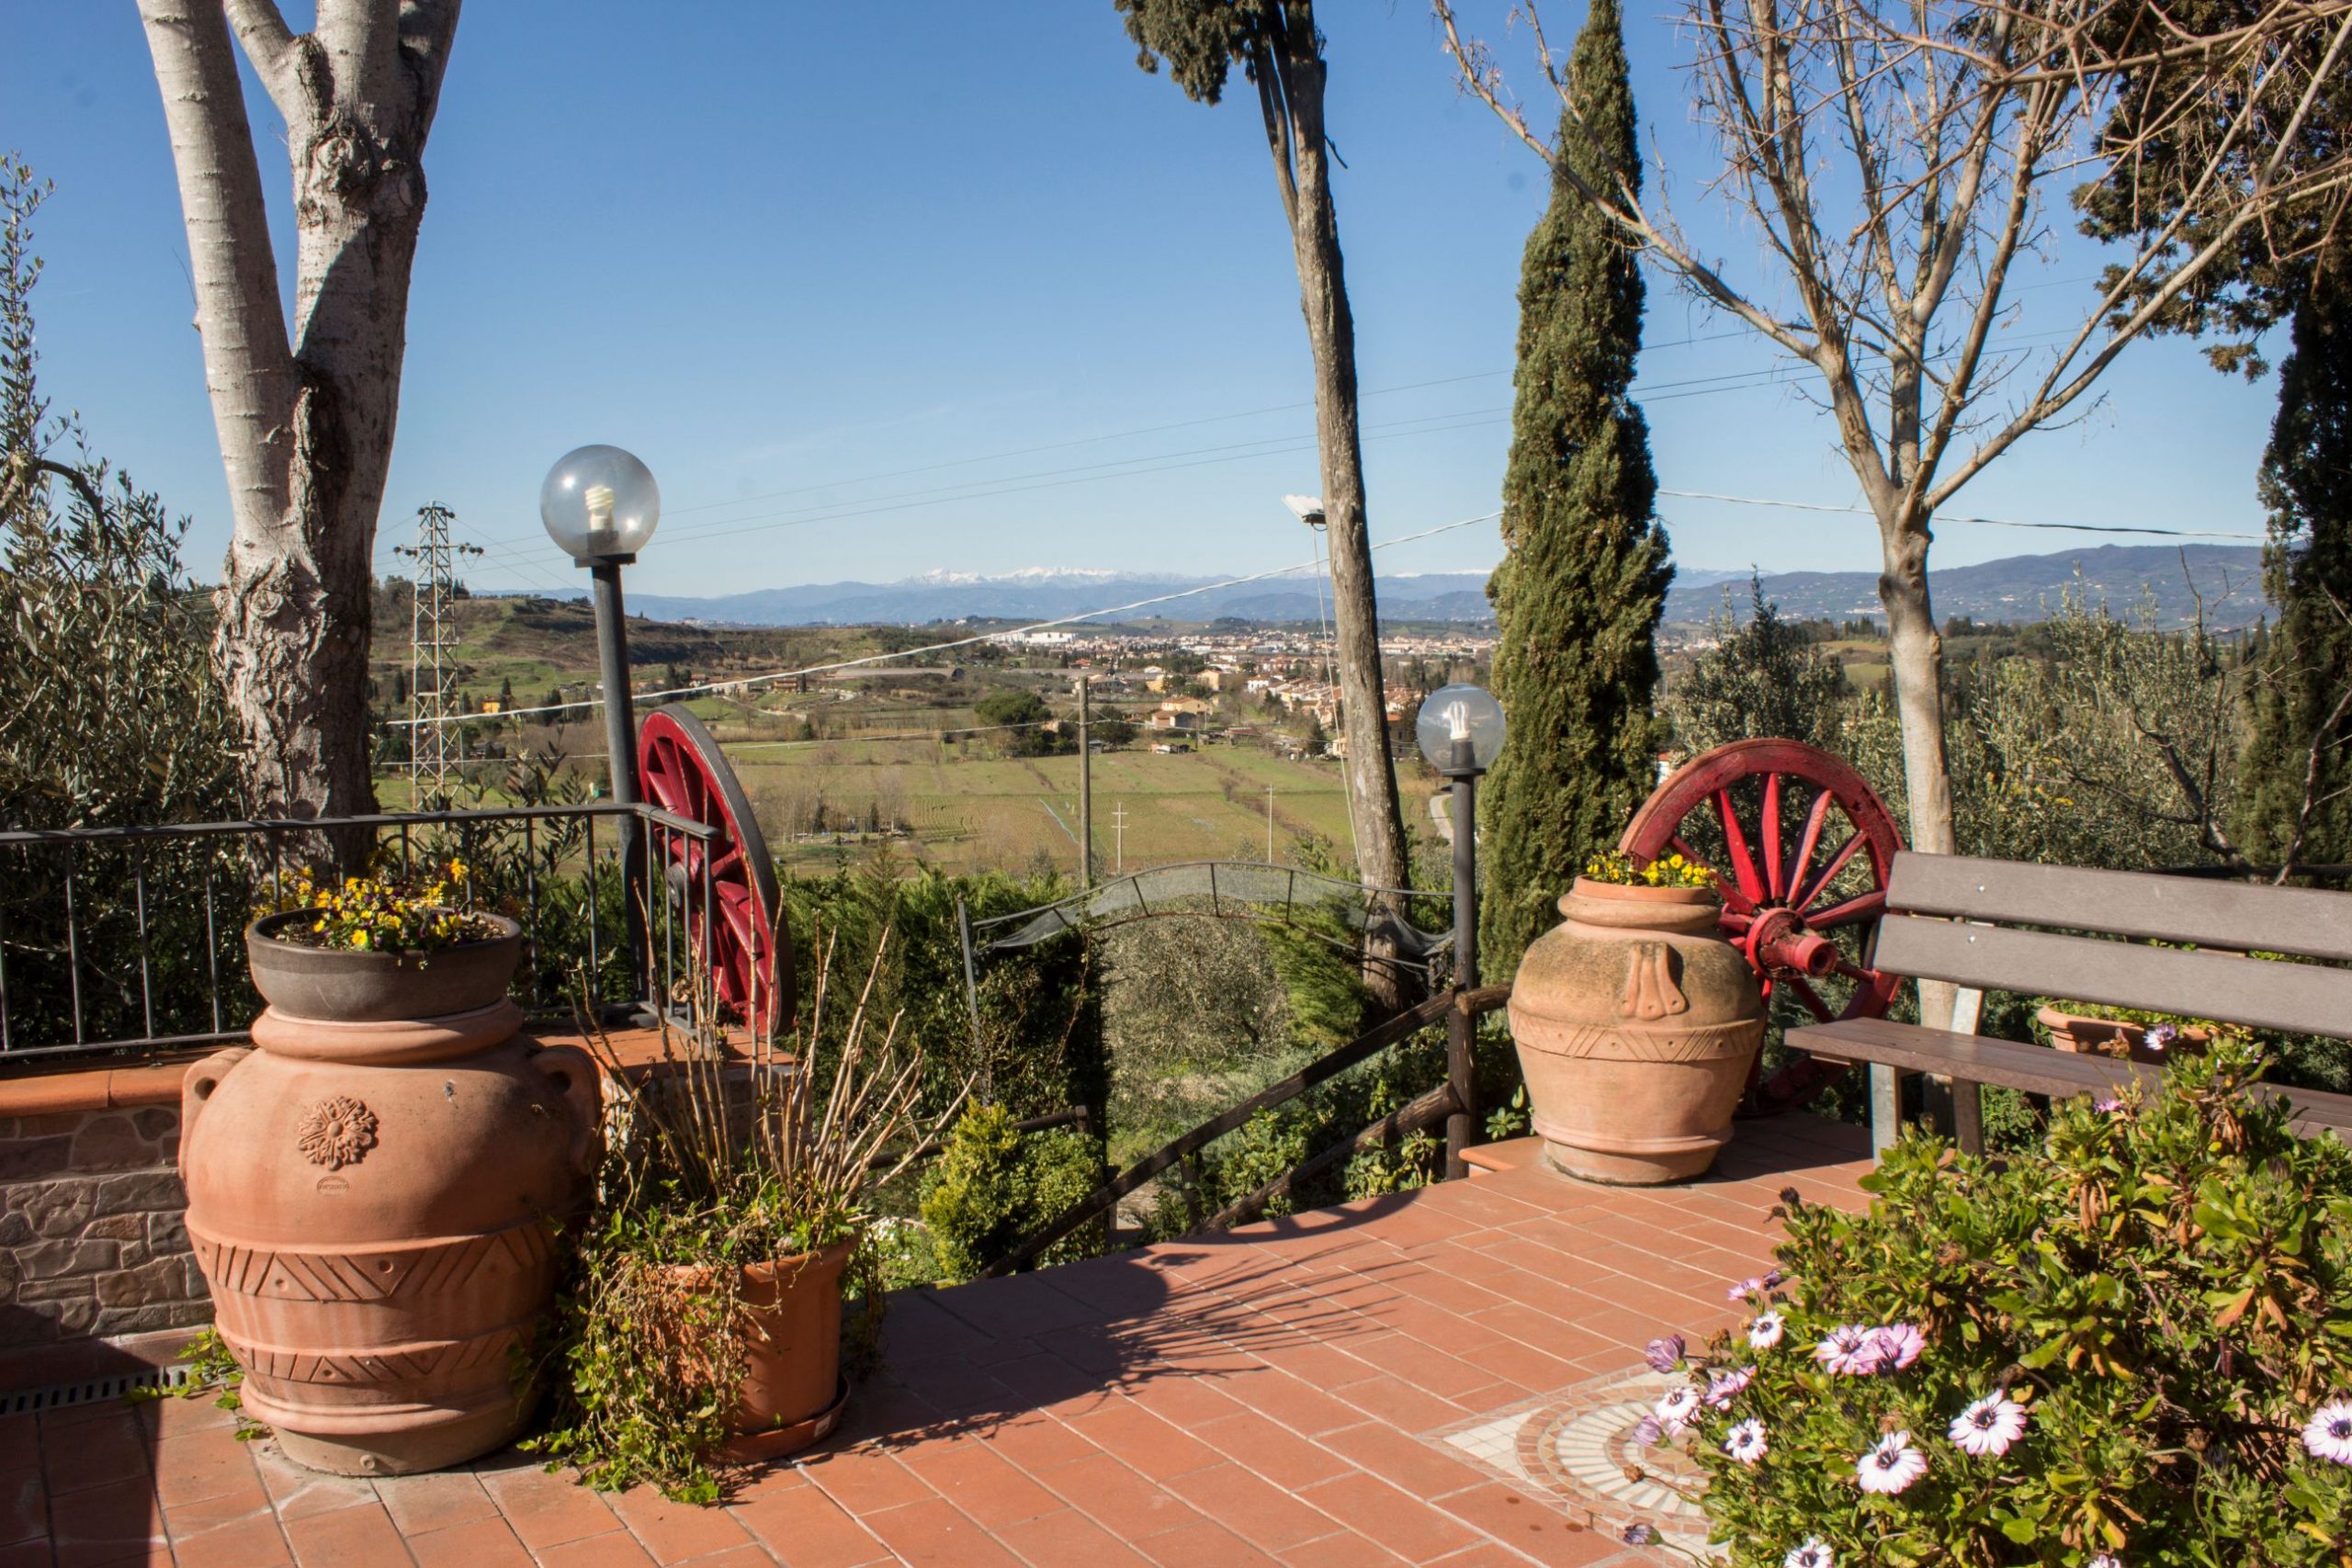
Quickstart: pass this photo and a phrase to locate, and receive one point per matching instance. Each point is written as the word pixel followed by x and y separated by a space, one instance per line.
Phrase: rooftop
pixel 1438 1377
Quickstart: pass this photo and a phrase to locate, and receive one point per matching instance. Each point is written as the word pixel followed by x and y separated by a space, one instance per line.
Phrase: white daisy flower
pixel 1678 1408
pixel 1891 1465
pixel 2105 1559
pixel 1746 1442
pixel 1766 1331
pixel 1989 1426
pixel 1813 1553
pixel 2328 1434
pixel 1848 1351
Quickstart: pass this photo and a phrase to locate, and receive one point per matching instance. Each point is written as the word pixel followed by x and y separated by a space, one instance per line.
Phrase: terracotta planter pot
pixel 2114 1037
pixel 792 1394
pixel 1636 1025
pixel 373 1203
pixel 377 987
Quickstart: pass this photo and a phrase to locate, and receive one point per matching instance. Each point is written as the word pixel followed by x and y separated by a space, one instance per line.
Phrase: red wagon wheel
pixel 683 772
pixel 1801 847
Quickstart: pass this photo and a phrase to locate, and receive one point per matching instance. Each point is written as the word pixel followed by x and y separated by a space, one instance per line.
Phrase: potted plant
pixel 704 1323
pixel 2096 1029
pixel 374 1185
pixel 1636 1024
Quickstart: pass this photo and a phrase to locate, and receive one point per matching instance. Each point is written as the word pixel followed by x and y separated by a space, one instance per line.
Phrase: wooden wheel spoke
pixel 1811 998
pixel 1771 828
pixel 1743 863
pixel 1810 841
pixel 1862 907
pixel 1837 862
pixel 1857 974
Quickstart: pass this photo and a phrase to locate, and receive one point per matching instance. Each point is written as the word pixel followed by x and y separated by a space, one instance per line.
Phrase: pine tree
pixel 1583 577
pixel 2302 708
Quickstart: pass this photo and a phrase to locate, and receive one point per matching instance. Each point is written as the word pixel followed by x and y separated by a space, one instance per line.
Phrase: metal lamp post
pixel 1461 734
pixel 601 505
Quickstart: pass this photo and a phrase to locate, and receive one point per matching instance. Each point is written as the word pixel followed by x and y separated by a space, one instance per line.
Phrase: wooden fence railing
pixel 1454 1098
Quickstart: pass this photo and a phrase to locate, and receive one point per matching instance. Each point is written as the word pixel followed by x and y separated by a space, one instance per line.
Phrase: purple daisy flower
pixel 2328 1434
pixel 2107 1105
pixel 1891 1466
pixel 1746 1441
pixel 1989 1426
pixel 2160 1035
pixel 1639 1535
pixel 1898 1345
pixel 1751 1286
pixel 1723 1387
pixel 1646 1432
pixel 1849 1350
pixel 1812 1554
pixel 1664 1353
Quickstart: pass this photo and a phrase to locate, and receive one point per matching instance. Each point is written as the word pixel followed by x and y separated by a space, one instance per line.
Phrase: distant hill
pixel 2019 588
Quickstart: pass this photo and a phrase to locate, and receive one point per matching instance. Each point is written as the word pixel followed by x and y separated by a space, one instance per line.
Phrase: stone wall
pixel 92 1238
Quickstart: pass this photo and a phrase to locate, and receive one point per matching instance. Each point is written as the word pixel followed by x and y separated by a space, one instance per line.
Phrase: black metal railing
pixel 133 939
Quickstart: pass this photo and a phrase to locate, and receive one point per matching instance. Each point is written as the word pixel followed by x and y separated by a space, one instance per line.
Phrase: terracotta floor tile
pixel 936 1534
pixel 865 1481
pixel 981 1482
pixel 1203 1545
pixel 751 1554
pixel 1534 1529
pixel 1286 1399
pixel 99 1520
pixel 1067 1538
pixel 1420 1467
pixel 1398 1403
pixel 1406 1525
pixel 1253 1507
pixel 1279 1455
pixel 614 1549
pixel 1038 1442
pixel 809 1530
pixel 1128 1432
pixel 1344 1550
pixel 422 1503
pixel 19 1443
pixel 299 1494
pixel 548 1510
pixel 24 1507
pixel 98 1450
pixel 1117 1498
pixel 485 1544
pixel 210 1462
pixel 677 1532
pixel 186 1521
pixel 348 1537
pixel 255 1542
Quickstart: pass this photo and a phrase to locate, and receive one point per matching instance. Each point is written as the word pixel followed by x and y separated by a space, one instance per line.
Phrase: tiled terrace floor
pixel 1278 1395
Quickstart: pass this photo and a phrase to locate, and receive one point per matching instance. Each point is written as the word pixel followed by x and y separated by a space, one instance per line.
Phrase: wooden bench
pixel 1992 925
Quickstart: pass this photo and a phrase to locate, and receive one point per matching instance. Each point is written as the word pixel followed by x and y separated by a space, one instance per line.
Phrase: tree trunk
pixel 306 427
pixel 1915 654
pixel 1364 708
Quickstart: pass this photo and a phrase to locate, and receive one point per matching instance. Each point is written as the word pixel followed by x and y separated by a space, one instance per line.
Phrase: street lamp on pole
pixel 600 505
pixel 1461 734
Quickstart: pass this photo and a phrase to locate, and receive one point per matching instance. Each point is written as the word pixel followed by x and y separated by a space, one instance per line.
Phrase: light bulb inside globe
pixel 600 505
pixel 1453 715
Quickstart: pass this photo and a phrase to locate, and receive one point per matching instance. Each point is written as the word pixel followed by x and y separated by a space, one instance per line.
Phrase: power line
pixel 1945 517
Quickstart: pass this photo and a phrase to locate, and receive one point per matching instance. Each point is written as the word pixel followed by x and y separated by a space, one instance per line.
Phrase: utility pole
pixel 1119 835
pixel 1085 790
pixel 436 744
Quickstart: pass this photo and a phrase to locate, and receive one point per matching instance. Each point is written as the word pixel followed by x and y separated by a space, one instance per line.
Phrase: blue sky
pixel 884 289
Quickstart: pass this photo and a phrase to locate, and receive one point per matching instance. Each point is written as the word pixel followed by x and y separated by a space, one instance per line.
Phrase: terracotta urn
pixel 1636 1025
pixel 374 1193
pixel 2117 1037
pixel 792 1394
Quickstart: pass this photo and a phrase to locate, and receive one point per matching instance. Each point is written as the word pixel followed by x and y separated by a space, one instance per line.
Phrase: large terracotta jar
pixel 374 1193
pixel 1636 1025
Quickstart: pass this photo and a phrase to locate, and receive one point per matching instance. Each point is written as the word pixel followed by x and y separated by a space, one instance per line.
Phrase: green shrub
pixel 994 1184
pixel 2145 1328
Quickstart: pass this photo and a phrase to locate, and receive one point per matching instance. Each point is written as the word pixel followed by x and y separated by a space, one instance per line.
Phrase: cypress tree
pixel 2300 699
pixel 1585 572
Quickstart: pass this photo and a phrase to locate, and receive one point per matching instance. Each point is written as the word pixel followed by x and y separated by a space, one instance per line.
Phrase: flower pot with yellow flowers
pixel 1636 1024
pixel 376 1183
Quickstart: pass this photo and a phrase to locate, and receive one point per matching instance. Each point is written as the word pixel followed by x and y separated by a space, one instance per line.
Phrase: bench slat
pixel 2033 1069
pixel 2310 922
pixel 2305 998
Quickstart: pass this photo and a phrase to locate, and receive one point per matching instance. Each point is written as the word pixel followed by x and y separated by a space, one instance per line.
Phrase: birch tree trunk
pixel 305 418
pixel 1375 814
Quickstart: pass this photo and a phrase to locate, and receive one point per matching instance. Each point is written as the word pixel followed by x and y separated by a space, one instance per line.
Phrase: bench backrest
pixel 1948 918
